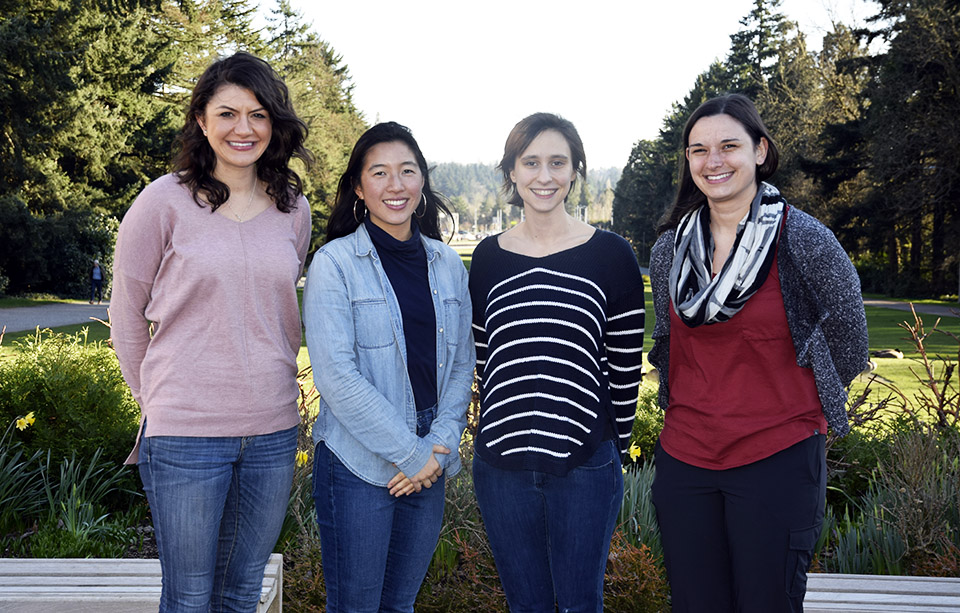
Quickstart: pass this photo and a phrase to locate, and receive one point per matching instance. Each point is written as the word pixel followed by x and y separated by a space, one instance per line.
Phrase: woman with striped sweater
pixel 558 324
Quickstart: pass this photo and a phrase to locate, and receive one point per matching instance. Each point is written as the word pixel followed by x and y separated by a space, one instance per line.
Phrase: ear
pixel 358 190
pixel 513 177
pixel 762 150
pixel 203 128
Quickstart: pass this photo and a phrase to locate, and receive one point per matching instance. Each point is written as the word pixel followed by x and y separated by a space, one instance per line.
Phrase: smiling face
pixel 723 161
pixel 237 127
pixel 390 186
pixel 543 173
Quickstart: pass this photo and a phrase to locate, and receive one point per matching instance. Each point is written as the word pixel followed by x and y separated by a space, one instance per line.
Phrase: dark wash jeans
pixel 375 548
pixel 741 539
pixel 217 505
pixel 550 535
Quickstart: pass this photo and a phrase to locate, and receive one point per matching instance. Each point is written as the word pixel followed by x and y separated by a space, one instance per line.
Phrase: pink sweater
pixel 222 297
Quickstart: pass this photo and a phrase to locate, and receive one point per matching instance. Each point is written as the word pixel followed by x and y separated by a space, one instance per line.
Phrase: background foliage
pixel 92 94
pixel 867 128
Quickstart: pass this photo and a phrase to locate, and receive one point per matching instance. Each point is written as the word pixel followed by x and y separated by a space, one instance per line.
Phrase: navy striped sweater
pixel 559 351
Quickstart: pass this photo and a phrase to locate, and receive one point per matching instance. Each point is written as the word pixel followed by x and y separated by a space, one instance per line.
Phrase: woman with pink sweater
pixel 209 257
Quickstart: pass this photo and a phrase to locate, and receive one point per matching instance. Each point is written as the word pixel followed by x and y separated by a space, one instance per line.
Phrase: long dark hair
pixel 739 107
pixel 196 160
pixel 524 133
pixel 346 215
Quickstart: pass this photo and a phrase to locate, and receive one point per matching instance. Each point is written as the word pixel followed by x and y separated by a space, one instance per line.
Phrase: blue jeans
pixel 376 548
pixel 550 535
pixel 217 505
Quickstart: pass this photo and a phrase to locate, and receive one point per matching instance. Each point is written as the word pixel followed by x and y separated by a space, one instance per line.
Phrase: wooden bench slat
pixel 102 586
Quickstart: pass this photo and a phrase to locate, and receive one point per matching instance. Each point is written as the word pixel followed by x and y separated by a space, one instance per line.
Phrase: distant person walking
pixel 96 282
pixel 210 255
pixel 760 327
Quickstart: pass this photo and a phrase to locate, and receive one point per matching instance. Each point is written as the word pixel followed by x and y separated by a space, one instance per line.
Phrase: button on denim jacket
pixel 355 339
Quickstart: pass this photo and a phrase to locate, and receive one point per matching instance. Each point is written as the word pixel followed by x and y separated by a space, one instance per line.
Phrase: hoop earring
pixel 363 208
pixel 424 203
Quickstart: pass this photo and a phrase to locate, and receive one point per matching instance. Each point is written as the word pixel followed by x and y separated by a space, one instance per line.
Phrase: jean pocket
pixel 603 457
pixel 802 543
pixel 372 323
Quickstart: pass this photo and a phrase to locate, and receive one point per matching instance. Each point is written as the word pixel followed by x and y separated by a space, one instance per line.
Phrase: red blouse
pixel 736 392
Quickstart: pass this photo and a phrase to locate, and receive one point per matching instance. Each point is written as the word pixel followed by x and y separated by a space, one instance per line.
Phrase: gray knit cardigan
pixel 822 299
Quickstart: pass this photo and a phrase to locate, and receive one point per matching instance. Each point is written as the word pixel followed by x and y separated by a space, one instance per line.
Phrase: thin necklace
pixel 253 189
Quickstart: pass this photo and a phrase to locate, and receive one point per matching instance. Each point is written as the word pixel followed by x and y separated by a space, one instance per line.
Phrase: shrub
pixel 634 581
pixel 4 282
pixel 637 521
pixel 21 485
pixel 648 421
pixel 76 392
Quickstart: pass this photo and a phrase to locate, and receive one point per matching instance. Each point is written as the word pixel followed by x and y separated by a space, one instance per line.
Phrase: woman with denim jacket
pixel 387 313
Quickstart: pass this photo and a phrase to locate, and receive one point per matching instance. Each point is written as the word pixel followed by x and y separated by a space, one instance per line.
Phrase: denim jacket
pixel 355 339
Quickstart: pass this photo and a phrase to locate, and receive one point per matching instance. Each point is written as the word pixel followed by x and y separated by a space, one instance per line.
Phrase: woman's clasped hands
pixel 402 485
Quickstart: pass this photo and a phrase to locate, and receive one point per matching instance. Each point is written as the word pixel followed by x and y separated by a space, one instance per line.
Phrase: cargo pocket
pixel 799 555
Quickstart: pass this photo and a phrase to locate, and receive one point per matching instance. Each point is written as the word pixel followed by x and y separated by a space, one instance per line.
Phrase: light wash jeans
pixel 217 505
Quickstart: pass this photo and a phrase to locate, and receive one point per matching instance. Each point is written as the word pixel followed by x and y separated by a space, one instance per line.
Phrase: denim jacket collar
pixel 364 245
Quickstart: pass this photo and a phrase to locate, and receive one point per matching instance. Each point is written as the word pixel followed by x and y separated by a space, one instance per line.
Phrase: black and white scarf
pixel 698 296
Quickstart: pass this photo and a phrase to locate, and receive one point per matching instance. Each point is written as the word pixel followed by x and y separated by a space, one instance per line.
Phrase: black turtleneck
pixel 405 263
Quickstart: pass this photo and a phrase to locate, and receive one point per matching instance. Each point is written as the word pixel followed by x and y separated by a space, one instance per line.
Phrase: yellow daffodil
pixel 624 469
pixel 21 424
pixel 635 452
pixel 26 421
pixel 30 418
pixel 302 457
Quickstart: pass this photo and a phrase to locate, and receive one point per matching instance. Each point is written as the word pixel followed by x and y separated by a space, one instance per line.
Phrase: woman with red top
pixel 760 327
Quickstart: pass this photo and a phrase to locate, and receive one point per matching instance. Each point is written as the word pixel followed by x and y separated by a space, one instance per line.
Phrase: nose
pixel 394 183
pixel 243 125
pixel 714 157
pixel 543 176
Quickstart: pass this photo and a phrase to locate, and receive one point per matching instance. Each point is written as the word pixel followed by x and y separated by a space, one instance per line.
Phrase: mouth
pixel 718 178
pixel 544 193
pixel 240 145
pixel 396 204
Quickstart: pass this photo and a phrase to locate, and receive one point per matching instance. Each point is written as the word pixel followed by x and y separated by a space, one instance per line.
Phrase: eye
pixel 697 150
pixel 530 164
pixel 730 146
pixel 379 173
pixel 225 114
pixel 260 115
pixel 559 163
pixel 409 171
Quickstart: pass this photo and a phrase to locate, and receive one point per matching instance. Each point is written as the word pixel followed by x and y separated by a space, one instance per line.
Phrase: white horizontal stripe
pixel 494 424
pixel 544 339
pixel 484 345
pixel 624 332
pixel 554 288
pixel 627 314
pixel 624 403
pixel 624 369
pixel 624 350
pixel 562 437
pixel 538 450
pixel 537 321
pixel 562 275
pixel 544 358
pixel 625 419
pixel 510 399
pixel 624 387
pixel 542 376
pixel 561 305
pixel 627 435
pixel 476 327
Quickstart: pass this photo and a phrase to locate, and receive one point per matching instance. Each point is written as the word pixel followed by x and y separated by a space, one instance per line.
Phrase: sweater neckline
pixel 568 250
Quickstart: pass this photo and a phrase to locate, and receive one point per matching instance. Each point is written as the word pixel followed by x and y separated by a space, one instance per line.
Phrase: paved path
pixel 922 309
pixel 51 315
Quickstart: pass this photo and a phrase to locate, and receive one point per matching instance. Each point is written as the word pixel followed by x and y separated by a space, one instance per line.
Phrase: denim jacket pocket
pixel 451 321
pixel 373 324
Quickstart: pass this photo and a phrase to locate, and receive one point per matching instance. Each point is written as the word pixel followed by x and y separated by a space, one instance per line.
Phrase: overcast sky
pixel 461 74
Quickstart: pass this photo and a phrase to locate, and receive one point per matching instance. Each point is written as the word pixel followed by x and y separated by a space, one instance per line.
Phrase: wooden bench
pixel 830 593
pixel 102 585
